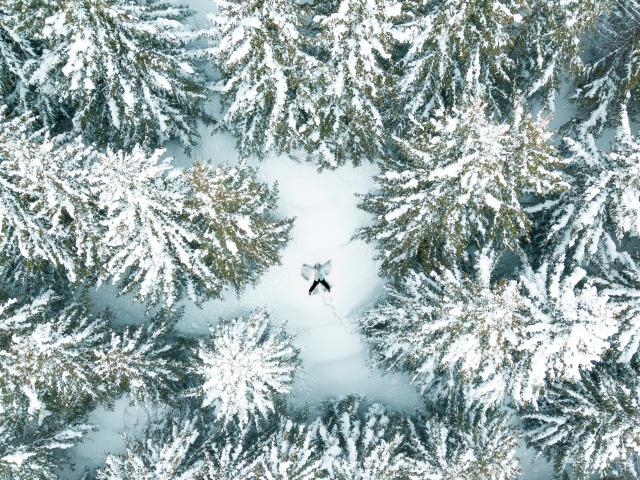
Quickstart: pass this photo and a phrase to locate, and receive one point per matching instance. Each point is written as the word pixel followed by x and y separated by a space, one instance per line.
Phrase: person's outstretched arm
pixel 325 268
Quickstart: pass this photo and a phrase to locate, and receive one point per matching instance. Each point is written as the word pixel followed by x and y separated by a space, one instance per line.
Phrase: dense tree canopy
pixel 132 218
pixel 458 187
pixel 505 215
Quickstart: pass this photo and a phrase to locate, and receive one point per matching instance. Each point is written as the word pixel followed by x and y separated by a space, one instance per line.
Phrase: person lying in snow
pixel 318 273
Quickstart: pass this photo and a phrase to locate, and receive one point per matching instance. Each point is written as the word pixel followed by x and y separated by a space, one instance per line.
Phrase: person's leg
pixel 314 285
pixel 326 285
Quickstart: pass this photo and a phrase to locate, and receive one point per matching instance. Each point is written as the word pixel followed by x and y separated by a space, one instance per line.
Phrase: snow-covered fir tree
pixel 290 452
pixel 228 461
pixel 36 449
pixel 498 342
pixel 149 245
pixel 59 357
pixel 459 187
pixel 359 443
pixel 35 429
pixel 50 359
pixel 570 325
pixel 131 218
pixel 591 220
pixel 591 425
pixel 169 451
pixel 46 219
pixel 141 361
pixel 120 70
pixel 450 328
pixel 169 234
pixel 286 449
pixel 259 51
pixel 463 443
pixel 621 282
pixel 548 43
pixel 456 47
pixel 245 365
pixel 609 86
pixel 232 215
pixel 15 50
pixel 347 123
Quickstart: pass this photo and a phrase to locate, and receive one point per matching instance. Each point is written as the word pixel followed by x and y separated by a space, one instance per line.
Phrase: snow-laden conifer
pixel 454 48
pixel 497 341
pixel 32 449
pixel 285 448
pixel 590 425
pixel 290 452
pixel 169 451
pixel 601 209
pixel 46 214
pixel 57 356
pixel 259 51
pixel 139 360
pixel 226 460
pixel 459 187
pixel 463 443
pixel 51 360
pixel 245 365
pixel 346 123
pixel 121 70
pixel 450 328
pixel 231 213
pixel 549 39
pixel 131 218
pixel 149 245
pixel 15 50
pixel 169 234
pixel 41 399
pixel 609 86
pixel 569 327
pixel 359 443
pixel 621 282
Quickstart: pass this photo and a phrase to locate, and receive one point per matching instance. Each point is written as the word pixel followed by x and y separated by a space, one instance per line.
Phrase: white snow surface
pixel 335 358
